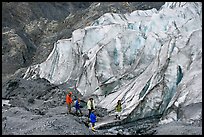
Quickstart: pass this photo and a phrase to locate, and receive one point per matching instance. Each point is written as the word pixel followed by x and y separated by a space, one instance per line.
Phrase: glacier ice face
pixel 150 59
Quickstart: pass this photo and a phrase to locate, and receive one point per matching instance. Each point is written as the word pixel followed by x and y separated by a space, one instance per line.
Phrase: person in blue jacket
pixel 77 107
pixel 93 120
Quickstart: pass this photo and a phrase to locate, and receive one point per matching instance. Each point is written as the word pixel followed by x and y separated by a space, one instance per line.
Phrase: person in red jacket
pixel 69 101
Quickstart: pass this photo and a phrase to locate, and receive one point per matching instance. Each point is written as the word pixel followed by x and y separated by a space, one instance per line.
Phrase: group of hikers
pixel 90 107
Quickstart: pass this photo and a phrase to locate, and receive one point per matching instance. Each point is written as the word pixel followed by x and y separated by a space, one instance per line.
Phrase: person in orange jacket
pixel 69 101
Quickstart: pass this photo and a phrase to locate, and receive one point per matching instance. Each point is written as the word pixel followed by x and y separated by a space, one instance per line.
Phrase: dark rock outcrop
pixel 30 28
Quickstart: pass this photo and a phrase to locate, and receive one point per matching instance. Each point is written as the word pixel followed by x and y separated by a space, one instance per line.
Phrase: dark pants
pixel 89 112
pixel 93 124
pixel 79 111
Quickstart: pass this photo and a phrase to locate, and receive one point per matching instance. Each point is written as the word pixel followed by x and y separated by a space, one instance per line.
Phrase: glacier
pixel 149 59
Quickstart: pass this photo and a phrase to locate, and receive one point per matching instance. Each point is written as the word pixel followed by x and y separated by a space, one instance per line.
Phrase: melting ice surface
pixel 150 60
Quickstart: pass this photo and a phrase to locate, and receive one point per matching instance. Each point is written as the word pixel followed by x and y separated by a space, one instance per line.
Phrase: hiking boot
pixel 93 129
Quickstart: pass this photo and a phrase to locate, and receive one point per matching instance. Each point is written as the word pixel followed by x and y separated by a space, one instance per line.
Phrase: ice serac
pixel 151 60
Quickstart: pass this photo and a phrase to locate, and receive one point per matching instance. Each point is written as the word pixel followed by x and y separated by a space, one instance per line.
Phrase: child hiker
pixel 93 120
pixel 118 109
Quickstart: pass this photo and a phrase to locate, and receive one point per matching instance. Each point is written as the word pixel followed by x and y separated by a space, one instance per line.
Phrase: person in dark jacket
pixel 77 107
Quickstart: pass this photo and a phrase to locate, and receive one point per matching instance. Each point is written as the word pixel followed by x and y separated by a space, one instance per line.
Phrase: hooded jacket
pixel 92 117
pixel 68 99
